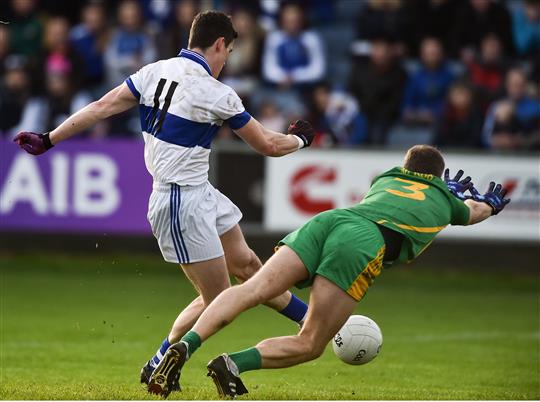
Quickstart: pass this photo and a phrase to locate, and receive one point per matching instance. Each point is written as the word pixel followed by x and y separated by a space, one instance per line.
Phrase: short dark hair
pixel 424 159
pixel 208 26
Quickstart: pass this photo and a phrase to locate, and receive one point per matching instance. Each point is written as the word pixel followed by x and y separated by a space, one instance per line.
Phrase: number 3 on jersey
pixel 414 190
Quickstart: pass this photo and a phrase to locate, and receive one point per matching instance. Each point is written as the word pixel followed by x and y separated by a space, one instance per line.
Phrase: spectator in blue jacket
pixel 293 56
pixel 526 28
pixel 426 88
pixel 130 46
pixel 517 111
pixel 88 39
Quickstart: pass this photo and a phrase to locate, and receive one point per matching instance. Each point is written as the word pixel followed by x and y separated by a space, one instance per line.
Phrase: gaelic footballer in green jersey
pixel 339 253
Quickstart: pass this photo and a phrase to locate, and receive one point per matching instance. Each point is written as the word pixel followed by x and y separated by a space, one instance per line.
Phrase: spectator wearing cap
pixel 293 55
pixel 514 121
pixel 130 47
pixel 426 88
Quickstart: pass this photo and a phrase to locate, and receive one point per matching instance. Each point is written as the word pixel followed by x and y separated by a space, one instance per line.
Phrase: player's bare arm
pixel 115 101
pixel 272 143
pixel 479 211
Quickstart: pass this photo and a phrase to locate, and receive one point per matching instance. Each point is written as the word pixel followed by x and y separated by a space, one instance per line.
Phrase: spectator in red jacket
pixel 487 71
pixel 461 123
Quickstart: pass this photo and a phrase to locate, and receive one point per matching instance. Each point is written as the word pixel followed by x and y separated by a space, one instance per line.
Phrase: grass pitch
pixel 80 327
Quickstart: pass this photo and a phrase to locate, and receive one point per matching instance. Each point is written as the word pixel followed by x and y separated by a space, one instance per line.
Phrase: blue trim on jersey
pixel 180 131
pixel 239 120
pixel 196 57
pixel 132 88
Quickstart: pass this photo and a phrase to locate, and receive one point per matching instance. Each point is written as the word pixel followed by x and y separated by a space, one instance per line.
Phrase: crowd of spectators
pixel 455 73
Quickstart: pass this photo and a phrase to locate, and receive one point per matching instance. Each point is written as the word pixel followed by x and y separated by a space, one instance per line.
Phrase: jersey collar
pixel 196 57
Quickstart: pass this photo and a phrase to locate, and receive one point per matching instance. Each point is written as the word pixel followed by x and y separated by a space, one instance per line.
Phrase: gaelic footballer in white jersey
pixel 182 107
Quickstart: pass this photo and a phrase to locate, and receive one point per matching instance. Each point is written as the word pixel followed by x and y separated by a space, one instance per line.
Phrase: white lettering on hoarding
pixel 95 192
pixel 24 184
pixel 93 186
pixel 59 183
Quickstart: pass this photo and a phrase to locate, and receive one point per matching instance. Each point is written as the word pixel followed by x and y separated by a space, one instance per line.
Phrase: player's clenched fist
pixel 33 143
pixel 303 130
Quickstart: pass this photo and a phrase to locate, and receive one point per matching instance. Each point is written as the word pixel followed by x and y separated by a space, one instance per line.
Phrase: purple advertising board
pixel 80 186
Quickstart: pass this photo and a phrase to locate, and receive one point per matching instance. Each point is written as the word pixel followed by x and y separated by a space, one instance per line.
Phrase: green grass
pixel 80 327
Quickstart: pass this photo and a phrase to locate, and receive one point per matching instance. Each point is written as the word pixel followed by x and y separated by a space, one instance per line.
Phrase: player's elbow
pixel 102 108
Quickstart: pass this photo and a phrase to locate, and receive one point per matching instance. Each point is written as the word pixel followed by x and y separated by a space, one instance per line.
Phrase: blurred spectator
pixel 4 47
pixel 388 19
pixel 156 14
pixel 514 122
pixel 178 32
pixel 61 96
pixel 58 50
pixel 243 64
pixel 89 39
pixel 427 87
pixel 293 56
pixel 130 46
pixel 461 122
pixel 378 86
pixel 271 117
pixel 526 28
pixel 18 107
pixel 25 28
pixel 434 18
pixel 475 20
pixel 487 70
pixel 337 118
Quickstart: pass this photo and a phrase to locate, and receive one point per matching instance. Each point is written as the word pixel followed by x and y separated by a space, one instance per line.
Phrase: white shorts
pixel 188 220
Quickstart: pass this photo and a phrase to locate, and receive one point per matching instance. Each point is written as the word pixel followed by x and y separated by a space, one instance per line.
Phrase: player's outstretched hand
pixel 456 186
pixel 33 143
pixel 494 197
pixel 303 130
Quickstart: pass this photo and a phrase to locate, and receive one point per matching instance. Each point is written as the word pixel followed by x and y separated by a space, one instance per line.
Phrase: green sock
pixel 245 360
pixel 193 341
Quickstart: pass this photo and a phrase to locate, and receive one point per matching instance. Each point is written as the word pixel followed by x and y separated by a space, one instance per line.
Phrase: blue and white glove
pixel 494 197
pixel 456 186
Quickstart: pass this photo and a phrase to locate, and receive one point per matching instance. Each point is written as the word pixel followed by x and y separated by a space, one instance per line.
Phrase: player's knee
pixel 244 265
pixel 311 349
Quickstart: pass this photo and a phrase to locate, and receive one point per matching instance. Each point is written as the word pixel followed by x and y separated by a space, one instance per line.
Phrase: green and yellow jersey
pixel 417 205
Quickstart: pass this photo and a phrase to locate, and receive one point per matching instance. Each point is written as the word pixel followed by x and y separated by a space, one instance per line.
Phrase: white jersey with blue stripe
pixel 182 107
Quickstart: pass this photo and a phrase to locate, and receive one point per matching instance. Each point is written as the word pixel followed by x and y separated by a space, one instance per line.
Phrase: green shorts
pixel 342 246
